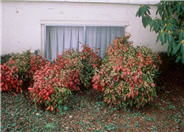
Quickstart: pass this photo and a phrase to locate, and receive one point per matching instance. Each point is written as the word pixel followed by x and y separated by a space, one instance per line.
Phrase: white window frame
pixel 45 24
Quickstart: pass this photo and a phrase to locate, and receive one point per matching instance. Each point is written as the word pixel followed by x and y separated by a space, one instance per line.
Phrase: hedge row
pixel 126 75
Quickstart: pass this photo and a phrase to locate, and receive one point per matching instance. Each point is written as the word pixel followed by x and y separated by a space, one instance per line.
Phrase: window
pixel 60 38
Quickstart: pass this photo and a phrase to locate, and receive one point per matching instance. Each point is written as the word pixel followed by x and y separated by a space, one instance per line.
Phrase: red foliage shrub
pixel 54 82
pixel 87 54
pixel 90 62
pixel 48 88
pixel 127 75
pixel 20 68
pixel 10 81
pixel 36 63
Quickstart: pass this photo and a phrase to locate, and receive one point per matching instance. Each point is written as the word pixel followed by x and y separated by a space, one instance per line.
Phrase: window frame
pixel 44 31
pixel 45 24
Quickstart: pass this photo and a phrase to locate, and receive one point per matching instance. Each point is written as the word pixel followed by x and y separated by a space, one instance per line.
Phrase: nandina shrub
pixel 84 61
pixel 36 63
pixel 71 65
pixel 54 82
pixel 90 61
pixel 127 74
pixel 48 88
pixel 10 81
pixel 27 64
pixel 20 68
pixel 22 63
pixel 13 72
pixel 69 59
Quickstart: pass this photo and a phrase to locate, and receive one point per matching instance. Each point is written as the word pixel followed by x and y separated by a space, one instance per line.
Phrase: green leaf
pixel 162 38
pixel 181 36
pixel 169 49
pixel 182 51
pixel 178 58
pixel 146 20
pixel 176 48
pixel 143 10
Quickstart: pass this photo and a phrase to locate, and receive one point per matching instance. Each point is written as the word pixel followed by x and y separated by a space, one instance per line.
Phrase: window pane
pixel 60 38
pixel 101 36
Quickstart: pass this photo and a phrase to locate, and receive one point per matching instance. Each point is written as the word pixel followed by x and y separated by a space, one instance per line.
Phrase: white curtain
pixel 100 37
pixel 60 38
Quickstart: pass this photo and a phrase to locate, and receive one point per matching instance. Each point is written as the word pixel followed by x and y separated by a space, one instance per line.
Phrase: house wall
pixel 23 22
pixel 0 28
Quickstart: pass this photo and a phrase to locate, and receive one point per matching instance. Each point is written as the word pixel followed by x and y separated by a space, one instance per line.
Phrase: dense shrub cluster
pixel 36 63
pixel 127 74
pixel 54 83
pixel 90 62
pixel 19 70
pixel 22 63
pixel 10 81
pixel 48 87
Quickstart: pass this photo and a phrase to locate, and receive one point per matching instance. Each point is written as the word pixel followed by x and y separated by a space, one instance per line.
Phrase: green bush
pixel 127 74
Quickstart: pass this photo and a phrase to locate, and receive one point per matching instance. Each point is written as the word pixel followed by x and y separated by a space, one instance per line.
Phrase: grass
pixel 86 112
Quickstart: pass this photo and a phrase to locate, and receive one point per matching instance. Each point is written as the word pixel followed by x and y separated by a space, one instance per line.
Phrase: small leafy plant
pixel 127 74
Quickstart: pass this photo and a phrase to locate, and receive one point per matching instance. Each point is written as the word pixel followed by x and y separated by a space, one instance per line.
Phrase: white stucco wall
pixel 0 28
pixel 22 22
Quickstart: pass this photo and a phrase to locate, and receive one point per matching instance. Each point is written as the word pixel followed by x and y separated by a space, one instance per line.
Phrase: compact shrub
pixel 90 61
pixel 84 61
pixel 54 83
pixel 10 81
pixel 22 63
pixel 127 74
pixel 70 65
pixel 27 64
pixel 36 63
pixel 48 88
pixel 20 69
pixel 13 72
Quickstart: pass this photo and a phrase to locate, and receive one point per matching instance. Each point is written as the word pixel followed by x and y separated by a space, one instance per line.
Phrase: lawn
pixel 86 111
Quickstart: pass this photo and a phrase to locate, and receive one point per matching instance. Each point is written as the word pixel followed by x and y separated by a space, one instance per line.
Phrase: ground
pixel 86 110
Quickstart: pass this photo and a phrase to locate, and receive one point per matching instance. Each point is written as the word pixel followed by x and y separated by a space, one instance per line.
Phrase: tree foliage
pixel 169 25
